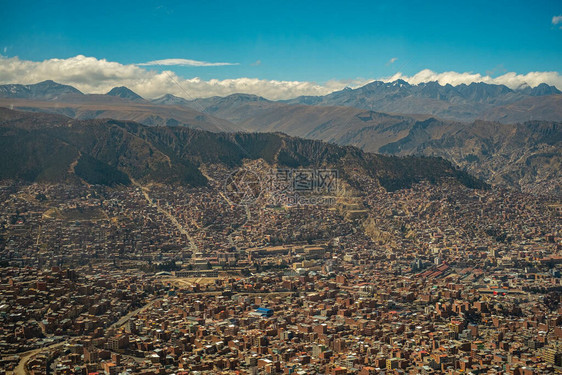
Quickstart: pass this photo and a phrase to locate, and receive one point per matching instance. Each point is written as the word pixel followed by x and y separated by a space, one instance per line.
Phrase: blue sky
pixel 293 40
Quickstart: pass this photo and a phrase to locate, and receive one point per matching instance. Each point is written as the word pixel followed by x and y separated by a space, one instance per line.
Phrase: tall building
pixel 553 356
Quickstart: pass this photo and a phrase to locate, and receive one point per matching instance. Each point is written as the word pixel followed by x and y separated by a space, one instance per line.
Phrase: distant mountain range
pixel 509 149
pixel 119 103
pixel 462 102
pixel 47 147
pixel 526 156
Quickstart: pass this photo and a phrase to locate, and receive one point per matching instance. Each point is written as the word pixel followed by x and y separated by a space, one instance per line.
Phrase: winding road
pixel 171 217
pixel 26 356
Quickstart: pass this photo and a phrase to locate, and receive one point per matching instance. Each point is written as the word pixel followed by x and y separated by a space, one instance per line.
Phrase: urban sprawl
pixel 157 279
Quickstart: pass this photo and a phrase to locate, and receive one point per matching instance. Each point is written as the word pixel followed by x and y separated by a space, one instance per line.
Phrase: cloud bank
pixel 92 75
pixel 184 62
pixel 97 76
pixel 510 79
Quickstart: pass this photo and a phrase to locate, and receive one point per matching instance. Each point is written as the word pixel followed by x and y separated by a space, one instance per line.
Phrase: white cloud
pixel 184 62
pixel 510 79
pixel 392 61
pixel 92 75
pixel 556 20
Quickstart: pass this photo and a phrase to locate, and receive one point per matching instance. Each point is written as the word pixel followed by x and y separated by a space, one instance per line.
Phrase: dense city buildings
pixel 434 279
